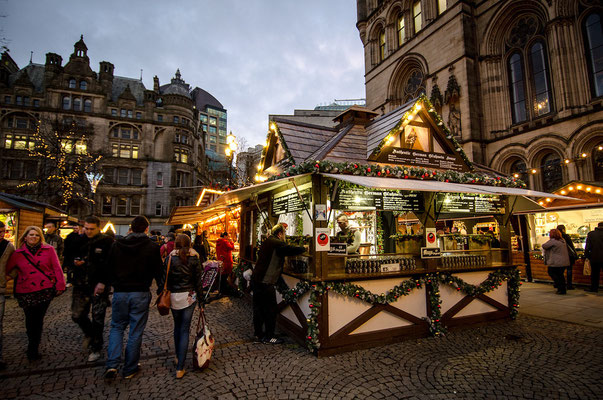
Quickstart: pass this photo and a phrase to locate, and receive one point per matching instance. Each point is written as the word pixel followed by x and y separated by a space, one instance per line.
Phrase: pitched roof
pixel 350 145
pixel 35 72
pixel 302 139
pixel 120 84
pixel 379 128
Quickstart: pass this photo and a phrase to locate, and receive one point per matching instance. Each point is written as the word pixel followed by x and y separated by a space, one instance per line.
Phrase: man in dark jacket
pixel 266 273
pixel 134 262
pixel 89 262
pixel 53 238
pixel 594 252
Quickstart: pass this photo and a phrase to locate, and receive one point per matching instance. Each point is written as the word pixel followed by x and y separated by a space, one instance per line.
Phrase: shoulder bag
pixel 164 301
pixel 587 269
pixel 204 343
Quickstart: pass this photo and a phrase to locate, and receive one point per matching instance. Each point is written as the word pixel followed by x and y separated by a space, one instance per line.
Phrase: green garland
pixel 379 233
pixel 482 239
pixel 400 237
pixel 431 281
pixel 398 172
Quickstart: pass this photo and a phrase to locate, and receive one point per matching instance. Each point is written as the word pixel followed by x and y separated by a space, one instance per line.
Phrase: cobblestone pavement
pixel 530 358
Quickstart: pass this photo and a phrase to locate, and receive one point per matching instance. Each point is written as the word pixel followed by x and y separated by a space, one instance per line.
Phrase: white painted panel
pixel 475 307
pixel 413 303
pixel 304 304
pixel 450 296
pixel 381 321
pixel 290 315
pixel 343 309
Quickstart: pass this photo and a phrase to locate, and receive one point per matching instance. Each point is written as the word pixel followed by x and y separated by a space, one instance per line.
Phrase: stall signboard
pixel 381 200
pixel 291 202
pixel 418 158
pixel 338 248
pixel 469 203
pixel 431 252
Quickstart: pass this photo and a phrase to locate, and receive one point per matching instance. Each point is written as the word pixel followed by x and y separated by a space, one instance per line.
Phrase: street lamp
pixel 231 148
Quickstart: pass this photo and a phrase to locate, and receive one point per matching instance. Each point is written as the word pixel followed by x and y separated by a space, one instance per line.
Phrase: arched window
pixel 594 50
pixel 72 83
pixel 414 85
pixel 519 170
pixel 77 104
pixel 540 79
pixel 382 45
pixel 518 96
pixel 401 29
pixel 87 105
pixel 83 85
pixel 598 163
pixel 66 103
pixel 552 176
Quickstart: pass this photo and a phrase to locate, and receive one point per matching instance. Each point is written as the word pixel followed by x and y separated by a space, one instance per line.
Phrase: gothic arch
pixel 583 138
pixel 503 158
pixel 400 88
pixel 394 10
pixel 544 145
pixel 125 124
pixel 20 113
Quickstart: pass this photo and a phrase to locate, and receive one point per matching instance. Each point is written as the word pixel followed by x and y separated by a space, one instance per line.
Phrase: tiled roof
pixel 378 129
pixel 136 87
pixel 351 147
pixel 35 73
pixel 303 140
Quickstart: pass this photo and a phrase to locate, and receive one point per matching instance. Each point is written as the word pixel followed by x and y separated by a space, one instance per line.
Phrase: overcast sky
pixel 257 57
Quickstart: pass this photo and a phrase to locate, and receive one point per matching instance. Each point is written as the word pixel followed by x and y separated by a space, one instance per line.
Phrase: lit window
pixel 67 146
pixel 401 30
pixel 540 80
pixel 382 45
pixel 107 205
pixel 81 147
pixel 212 129
pixel 416 13
pixel 130 114
pixel 441 6
pixel 213 121
pixel 83 85
pixel 203 118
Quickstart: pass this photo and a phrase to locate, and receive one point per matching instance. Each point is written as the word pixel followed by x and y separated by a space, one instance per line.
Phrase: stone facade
pixel 520 83
pixel 153 148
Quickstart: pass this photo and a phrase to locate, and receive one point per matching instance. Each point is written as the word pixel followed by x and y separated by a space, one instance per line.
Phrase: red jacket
pixel 224 250
pixel 29 278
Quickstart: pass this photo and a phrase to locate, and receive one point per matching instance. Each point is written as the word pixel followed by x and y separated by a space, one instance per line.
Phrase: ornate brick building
pixel 519 82
pixel 152 146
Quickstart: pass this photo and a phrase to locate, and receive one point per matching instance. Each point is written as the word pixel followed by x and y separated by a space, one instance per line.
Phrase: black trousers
pixel 34 324
pixel 556 273
pixel 569 276
pixel 595 274
pixel 81 304
pixel 265 309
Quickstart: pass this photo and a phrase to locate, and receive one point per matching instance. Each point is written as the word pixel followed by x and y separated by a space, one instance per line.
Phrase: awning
pixel 437 186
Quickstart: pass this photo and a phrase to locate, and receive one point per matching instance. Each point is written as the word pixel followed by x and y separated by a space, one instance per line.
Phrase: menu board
pixel 386 201
pixel 291 202
pixel 417 158
pixel 469 203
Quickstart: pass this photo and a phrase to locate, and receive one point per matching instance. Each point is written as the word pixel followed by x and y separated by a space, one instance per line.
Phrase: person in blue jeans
pixel 185 282
pixel 133 263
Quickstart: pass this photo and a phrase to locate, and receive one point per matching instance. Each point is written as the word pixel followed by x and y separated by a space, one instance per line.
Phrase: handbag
pixel 587 268
pixel 204 343
pixel 164 301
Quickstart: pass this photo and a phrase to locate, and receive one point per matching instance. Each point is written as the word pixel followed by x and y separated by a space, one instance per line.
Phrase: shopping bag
pixel 204 344
pixel 587 268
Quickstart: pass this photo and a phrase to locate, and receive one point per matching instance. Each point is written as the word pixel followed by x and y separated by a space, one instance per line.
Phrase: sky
pixel 257 57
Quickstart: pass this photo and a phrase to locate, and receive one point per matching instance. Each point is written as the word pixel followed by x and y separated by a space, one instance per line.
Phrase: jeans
pixel 129 308
pixel 81 303
pixel 2 303
pixel 265 310
pixel 182 327
pixel 34 323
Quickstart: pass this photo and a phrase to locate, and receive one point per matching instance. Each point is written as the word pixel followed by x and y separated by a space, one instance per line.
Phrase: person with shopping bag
pixel 593 252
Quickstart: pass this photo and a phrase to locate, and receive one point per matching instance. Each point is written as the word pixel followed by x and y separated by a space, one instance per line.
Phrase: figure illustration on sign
pixel 411 138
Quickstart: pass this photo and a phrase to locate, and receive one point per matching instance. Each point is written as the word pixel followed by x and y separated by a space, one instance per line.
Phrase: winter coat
pixel 224 250
pixel 271 258
pixel 183 277
pixel 167 248
pixel 29 278
pixel 9 249
pixel 594 246
pixel 95 252
pixel 56 241
pixel 134 261
pixel 556 254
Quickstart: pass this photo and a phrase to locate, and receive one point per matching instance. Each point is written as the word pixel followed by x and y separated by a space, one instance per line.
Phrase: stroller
pixel 211 280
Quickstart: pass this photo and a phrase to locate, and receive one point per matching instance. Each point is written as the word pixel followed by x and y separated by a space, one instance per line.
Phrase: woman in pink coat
pixel 39 278
pixel 224 248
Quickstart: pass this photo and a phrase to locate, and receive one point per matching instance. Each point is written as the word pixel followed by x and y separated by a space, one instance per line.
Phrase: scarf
pixel 34 249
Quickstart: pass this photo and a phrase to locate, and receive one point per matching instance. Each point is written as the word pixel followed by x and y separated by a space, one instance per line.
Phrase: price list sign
pixel 469 203
pixel 290 202
pixel 417 158
pixel 387 201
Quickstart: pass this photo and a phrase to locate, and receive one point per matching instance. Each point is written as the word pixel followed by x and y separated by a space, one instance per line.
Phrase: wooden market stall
pixel 369 168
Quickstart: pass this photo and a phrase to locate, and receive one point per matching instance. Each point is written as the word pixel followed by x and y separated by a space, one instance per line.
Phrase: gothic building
pixel 152 146
pixel 519 82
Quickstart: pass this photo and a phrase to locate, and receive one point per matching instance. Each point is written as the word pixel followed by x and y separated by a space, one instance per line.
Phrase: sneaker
pixel 133 374
pixel 68 285
pixel 94 356
pixel 272 340
pixel 110 374
pixel 180 373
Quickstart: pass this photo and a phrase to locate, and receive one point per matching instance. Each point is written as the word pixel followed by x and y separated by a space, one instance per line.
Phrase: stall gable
pixel 414 135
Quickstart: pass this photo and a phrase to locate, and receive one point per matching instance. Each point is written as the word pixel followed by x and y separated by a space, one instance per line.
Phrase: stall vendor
pixel 347 235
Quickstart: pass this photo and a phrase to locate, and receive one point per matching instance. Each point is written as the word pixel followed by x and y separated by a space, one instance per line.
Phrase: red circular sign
pixel 322 239
pixel 431 237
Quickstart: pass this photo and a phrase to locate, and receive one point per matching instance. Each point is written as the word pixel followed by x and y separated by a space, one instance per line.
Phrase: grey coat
pixel 556 254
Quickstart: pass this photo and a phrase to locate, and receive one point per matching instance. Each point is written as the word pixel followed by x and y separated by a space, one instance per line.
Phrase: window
pixel 26 101
pixel 19 100
pixel 108 174
pixel 416 15
pixel 20 169
pixel 598 162
pixel 135 205
pixel 176 120
pixel 552 175
pixel 382 45
pixel 122 113
pixel 122 205
pixel 160 118
pixel 6 99
pixel 594 51
pixel 518 97
pixel 204 128
pixel 519 170
pixel 401 30
pixel 21 123
pixel 122 176
pixel 159 180
pixel 213 147
pixel 203 118
pixel 158 209
pixel 180 155
pixel 83 85
pixel 124 132
pixel 87 105
pixel 130 114
pixel 107 206
pixel 66 102
pixel 441 6
pixel 137 177
pixel 81 147
pixel 138 115
pixel 72 83
pixel 18 142
pixel 114 112
pixel 124 150
pixel 36 103
pixel 181 179
pixel 213 121
pixel 212 129
pixel 212 139
pixel 540 80
pixel 77 104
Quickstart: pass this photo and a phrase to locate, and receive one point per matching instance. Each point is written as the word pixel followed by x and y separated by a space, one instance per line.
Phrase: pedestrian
pixel 168 246
pixel 573 256
pixel 594 252
pixel 267 271
pixel 224 248
pixel 71 248
pixel 6 250
pixel 202 246
pixel 89 264
pixel 39 278
pixel 185 282
pixel 134 262
pixel 556 257
pixel 53 238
